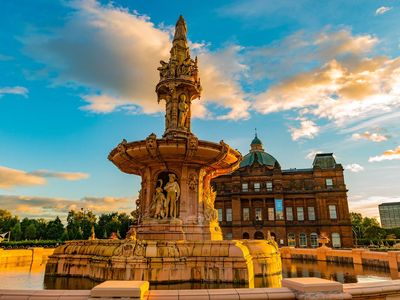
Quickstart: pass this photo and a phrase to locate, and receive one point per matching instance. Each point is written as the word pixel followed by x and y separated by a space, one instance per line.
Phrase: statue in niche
pixel 159 202
pixel 183 109
pixel 186 67
pixel 173 192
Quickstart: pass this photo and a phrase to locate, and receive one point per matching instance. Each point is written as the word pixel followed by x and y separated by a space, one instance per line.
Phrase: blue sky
pixel 79 76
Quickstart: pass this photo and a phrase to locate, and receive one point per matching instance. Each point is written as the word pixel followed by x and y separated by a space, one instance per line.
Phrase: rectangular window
pixel 229 214
pixel 336 240
pixel 269 186
pixel 311 213
pixel 314 240
pixel 289 213
pixel 271 214
pixel 257 186
pixel 245 187
pixel 291 240
pixel 329 183
pixel 332 212
pixel 303 240
pixel 279 209
pixel 219 214
pixel 228 236
pixel 246 214
pixel 300 214
pixel 258 214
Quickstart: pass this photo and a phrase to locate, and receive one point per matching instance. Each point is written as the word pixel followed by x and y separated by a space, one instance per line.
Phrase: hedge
pixel 27 244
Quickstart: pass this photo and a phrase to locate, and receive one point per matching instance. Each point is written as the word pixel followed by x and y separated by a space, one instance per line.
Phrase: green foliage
pixel 27 244
pixel 79 226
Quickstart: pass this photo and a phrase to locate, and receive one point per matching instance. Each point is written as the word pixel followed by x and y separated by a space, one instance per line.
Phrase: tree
pixel 30 232
pixel 7 221
pixel 16 232
pixel 375 234
pixel 361 225
pixel 55 229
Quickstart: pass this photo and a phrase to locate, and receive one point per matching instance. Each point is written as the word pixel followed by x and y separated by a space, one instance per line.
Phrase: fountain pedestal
pixel 177 237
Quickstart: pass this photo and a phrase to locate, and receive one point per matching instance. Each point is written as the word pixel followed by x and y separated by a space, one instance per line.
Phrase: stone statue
pixel 183 108
pixel 163 69
pixel 131 234
pixel 173 193
pixel 159 202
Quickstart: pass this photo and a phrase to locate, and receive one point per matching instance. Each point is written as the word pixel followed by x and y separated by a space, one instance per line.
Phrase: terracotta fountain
pixel 178 238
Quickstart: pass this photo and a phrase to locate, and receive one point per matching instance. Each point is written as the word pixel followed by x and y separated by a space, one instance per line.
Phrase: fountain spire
pixel 179 85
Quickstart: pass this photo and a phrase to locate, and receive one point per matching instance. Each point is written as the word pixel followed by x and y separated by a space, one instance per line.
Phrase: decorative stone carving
pixel 210 213
pixel 151 145
pixel 192 182
pixel 131 234
pixel 159 202
pixel 191 146
pixel 173 192
pixel 183 108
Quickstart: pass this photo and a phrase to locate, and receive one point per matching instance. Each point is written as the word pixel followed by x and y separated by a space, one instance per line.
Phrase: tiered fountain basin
pixel 167 261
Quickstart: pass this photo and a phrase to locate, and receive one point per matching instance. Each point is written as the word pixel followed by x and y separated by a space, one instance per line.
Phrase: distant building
pixel 390 214
pixel 295 205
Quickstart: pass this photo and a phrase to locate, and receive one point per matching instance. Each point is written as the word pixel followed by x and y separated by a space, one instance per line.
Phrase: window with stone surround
pixel 271 214
pixel 291 240
pixel 289 213
pixel 257 186
pixel 300 213
pixel 311 213
pixel 336 243
pixel 220 212
pixel 329 183
pixel 246 214
pixel 258 214
pixel 314 240
pixel 332 212
pixel 245 187
pixel 229 214
pixel 269 186
pixel 302 240
pixel 228 236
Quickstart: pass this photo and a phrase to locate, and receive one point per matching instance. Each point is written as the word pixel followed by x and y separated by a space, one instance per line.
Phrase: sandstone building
pixel 295 205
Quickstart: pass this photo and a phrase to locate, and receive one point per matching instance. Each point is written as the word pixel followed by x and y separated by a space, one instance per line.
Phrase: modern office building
pixel 295 205
pixel 390 214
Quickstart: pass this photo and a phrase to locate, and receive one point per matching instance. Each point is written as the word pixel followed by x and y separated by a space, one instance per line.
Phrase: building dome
pixel 257 154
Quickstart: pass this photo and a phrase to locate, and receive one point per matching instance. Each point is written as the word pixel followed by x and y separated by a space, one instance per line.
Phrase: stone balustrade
pixel 293 288
pixel 390 259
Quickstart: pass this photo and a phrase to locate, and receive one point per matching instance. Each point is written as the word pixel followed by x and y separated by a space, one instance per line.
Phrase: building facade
pixel 295 206
pixel 390 214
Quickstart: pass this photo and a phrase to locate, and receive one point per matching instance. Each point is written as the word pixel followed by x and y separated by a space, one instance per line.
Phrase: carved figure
pixel 131 234
pixel 159 202
pixel 163 69
pixel 183 108
pixel 173 193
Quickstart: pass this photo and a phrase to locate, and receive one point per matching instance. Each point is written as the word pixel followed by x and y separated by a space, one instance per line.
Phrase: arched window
pixel 291 240
pixel 246 235
pixel 303 240
pixel 314 239
pixel 336 243
pixel 258 235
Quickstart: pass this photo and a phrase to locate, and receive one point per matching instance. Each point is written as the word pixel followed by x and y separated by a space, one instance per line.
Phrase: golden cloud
pixel 371 136
pixel 12 177
pixel 387 155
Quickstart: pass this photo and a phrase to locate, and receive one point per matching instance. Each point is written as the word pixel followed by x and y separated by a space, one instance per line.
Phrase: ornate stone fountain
pixel 177 237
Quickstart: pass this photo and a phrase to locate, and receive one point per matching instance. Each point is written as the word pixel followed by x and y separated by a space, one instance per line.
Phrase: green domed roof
pixel 257 154
pixel 256 141
pixel 263 158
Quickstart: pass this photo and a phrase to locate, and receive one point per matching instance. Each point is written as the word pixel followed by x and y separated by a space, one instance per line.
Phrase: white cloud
pixel 71 176
pixel 368 205
pixel 10 178
pixel 119 58
pixel 312 153
pixel 371 136
pixel 45 207
pixel 15 90
pixel 355 168
pixel 308 129
pixel 383 9
pixel 387 155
